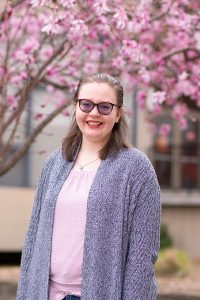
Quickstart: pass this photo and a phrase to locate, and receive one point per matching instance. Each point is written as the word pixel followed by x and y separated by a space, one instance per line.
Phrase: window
pixel 176 157
pixel 190 156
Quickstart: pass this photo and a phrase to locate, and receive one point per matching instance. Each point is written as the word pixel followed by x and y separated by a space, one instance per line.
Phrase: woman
pixel 94 230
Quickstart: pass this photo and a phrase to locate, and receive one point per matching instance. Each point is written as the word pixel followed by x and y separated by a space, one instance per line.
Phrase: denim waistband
pixel 72 297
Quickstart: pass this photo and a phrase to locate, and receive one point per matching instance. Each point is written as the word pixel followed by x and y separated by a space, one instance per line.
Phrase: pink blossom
pixel 120 18
pixel 101 7
pixel 72 71
pixel 95 54
pixel 107 43
pixel 52 28
pixel 67 3
pixel 53 23
pixel 60 102
pixel 73 87
pixel 16 80
pixel 127 80
pixel 63 80
pixel 132 40
pixel 50 89
pixel 131 49
pixel 158 97
pixel 25 53
pixel 2 71
pixel 9 11
pixel 23 75
pixel 38 116
pixel 46 52
pixel 92 33
pixel 183 123
pixel 185 87
pixel 156 109
pixel 141 99
pixel 45 101
pixel 145 75
pixel 11 101
pixel 118 62
pixel 35 3
pixel 140 22
pixel 165 129
pixel 65 112
pixel 103 26
pixel 33 26
pixel 170 101
pixel 184 75
pixel 60 98
pixel 192 54
pixel 77 31
pixel 90 68
pixel 197 39
pixel 179 111
pixel 30 46
pixel 51 71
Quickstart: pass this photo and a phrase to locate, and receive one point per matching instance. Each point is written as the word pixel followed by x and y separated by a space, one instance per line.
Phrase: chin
pixel 95 139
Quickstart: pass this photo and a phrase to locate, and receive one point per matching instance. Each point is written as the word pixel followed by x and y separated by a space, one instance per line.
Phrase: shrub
pixel 165 238
pixel 172 261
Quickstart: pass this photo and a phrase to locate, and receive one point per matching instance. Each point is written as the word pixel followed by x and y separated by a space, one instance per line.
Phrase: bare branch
pixel 56 85
pixel 183 50
pixel 16 2
pixel 174 52
pixel 47 63
pixel 161 16
pixel 6 166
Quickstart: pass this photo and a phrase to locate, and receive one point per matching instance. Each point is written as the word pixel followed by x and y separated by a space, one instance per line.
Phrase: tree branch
pixel 56 85
pixel 183 50
pixel 14 3
pixel 47 63
pixel 6 166
pixel 161 16
pixel 33 83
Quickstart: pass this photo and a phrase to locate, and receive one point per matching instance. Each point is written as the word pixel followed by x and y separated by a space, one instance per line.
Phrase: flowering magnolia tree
pixel 151 45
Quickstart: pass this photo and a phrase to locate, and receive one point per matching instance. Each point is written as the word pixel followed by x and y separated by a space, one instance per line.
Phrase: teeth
pixel 94 123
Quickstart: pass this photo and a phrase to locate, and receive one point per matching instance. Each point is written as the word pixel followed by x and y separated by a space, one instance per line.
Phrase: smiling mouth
pixel 93 124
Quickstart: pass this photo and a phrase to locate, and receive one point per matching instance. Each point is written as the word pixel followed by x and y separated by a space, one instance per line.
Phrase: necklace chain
pixel 81 167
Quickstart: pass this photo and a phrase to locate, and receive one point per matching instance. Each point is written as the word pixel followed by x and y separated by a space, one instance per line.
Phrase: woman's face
pixel 94 126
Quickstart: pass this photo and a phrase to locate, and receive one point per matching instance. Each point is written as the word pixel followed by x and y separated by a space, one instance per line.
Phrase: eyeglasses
pixel 104 108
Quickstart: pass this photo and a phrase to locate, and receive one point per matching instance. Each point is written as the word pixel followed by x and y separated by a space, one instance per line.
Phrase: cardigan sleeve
pixel 144 242
pixel 31 233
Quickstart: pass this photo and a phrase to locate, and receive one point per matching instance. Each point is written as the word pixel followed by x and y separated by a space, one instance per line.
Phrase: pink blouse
pixel 68 235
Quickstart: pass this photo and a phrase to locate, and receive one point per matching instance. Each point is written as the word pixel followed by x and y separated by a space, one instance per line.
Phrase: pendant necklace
pixel 81 167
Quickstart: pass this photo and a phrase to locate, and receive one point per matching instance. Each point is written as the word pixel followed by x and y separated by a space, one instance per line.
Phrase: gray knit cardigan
pixel 121 235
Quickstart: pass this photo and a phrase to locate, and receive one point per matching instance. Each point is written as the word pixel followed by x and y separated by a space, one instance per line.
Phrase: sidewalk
pixel 181 284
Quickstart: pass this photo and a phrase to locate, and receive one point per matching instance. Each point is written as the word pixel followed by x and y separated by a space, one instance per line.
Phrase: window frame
pixel 176 158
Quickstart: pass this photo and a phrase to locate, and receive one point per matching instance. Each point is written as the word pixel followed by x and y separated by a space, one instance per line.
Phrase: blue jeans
pixel 71 297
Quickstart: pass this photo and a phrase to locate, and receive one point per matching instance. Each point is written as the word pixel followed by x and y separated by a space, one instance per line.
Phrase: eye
pixel 105 106
pixel 86 103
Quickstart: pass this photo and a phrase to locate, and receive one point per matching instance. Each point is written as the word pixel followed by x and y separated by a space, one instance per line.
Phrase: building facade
pixel 176 159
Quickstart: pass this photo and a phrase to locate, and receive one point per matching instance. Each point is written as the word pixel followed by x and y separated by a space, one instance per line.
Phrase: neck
pixel 88 156
pixel 92 149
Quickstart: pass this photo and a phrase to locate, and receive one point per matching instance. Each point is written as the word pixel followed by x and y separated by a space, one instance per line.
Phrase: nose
pixel 94 111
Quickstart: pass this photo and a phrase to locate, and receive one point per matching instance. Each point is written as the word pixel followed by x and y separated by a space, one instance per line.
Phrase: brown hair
pixel 72 141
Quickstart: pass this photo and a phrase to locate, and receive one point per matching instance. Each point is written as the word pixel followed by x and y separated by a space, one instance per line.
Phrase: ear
pixel 119 113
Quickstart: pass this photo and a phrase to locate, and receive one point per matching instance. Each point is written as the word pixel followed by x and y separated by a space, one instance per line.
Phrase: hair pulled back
pixel 73 139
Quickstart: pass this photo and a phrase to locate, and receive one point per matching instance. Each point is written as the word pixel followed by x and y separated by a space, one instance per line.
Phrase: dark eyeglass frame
pixel 98 105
